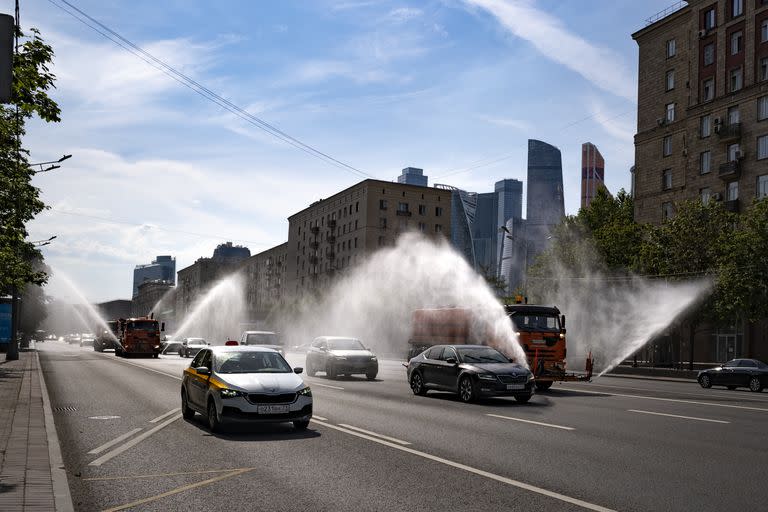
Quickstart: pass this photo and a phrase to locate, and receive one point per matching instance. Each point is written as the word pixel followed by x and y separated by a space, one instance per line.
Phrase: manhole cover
pixel 65 408
pixel 103 417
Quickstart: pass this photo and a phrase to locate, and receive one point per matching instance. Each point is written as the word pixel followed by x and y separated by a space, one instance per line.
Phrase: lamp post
pixel 52 164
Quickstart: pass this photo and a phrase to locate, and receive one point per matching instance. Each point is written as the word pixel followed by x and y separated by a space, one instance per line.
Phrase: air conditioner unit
pixel 718 120
pixel 717 128
pixel 738 155
pixel 702 33
pixel 717 196
pixel 685 151
pixel 661 121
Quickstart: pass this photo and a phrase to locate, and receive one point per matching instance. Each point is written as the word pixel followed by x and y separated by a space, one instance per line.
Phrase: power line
pixel 201 90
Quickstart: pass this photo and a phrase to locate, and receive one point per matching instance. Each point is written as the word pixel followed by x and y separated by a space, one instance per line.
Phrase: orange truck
pixel 540 330
pixel 140 336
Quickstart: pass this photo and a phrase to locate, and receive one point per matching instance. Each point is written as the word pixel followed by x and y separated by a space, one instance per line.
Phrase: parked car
pixel 472 371
pixel 191 346
pixel 244 384
pixel 736 373
pixel 170 347
pixel 337 355
pixel 267 339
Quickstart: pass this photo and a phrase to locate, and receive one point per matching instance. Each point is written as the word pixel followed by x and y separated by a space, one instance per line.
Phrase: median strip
pixel 531 422
pixel 677 416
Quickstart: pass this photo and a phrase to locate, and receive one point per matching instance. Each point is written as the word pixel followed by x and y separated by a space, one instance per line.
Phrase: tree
pixel 19 199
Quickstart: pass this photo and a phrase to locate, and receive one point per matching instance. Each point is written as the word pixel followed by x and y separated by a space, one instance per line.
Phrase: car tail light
pixel 231 343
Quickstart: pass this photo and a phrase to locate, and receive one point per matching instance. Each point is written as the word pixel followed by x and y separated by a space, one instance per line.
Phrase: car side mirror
pixel 562 321
pixel 162 327
pixel 451 360
pixel 203 370
pixel 298 370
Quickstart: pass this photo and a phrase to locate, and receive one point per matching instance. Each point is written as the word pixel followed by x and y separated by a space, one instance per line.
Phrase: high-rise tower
pixel 545 205
pixel 592 172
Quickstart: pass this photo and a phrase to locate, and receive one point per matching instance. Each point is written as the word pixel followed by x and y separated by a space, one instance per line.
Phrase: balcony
pixel 332 223
pixel 331 255
pixel 731 206
pixel 314 245
pixel 729 132
pixel 331 238
pixel 729 170
pixel 313 260
pixel 404 213
pixel 314 230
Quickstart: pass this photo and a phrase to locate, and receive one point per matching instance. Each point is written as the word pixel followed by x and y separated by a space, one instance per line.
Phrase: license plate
pixel 273 409
pixel 511 387
pixel 537 341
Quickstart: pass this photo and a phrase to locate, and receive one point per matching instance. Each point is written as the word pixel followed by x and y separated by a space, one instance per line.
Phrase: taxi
pixel 232 384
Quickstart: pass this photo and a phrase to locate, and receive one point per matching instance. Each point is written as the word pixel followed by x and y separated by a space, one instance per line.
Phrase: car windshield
pixel 250 362
pixel 481 355
pixel 195 341
pixel 146 325
pixel 543 322
pixel 345 344
pixel 261 338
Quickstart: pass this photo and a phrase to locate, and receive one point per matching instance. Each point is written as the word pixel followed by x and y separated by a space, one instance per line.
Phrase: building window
pixel 666 179
pixel 709 54
pixel 734 115
pixel 666 211
pixel 667 145
pixel 705 194
pixel 762 147
pixel 737 8
pixel 422 227
pixel 355 242
pixel 708 90
pixel 357 206
pixel 709 19
pixel 762 108
pixel 438 228
pixel 732 192
pixel 381 241
pixel 382 204
pixel 763 72
pixel 737 42
pixel 762 186
pixel 402 224
pixel 438 211
pixel 422 209
pixel 705 126
pixel 705 162
pixel 734 152
pixel 764 31
pixel 383 222
pixel 671 48
pixel 356 220
pixel 670 80
pixel 736 80
pixel 402 207
pixel 670 112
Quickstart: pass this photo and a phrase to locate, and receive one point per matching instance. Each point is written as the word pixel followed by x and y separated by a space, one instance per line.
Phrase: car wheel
pixel 330 372
pixel 301 425
pixel 186 411
pixel 467 391
pixel 731 387
pixel 755 384
pixel 523 398
pixel 370 375
pixel 310 369
pixel 543 386
pixel 705 381
pixel 417 384
pixel 181 354
pixel 213 419
pixel 156 356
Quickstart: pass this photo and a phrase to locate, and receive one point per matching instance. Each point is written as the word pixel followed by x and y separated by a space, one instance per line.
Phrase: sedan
pixel 337 355
pixel 245 384
pixel 736 373
pixel 191 346
pixel 472 371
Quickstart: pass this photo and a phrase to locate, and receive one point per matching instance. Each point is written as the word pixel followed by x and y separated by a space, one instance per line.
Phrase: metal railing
pixel 666 12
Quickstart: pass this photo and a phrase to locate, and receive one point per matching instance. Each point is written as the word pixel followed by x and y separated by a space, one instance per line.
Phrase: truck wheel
pixel 543 386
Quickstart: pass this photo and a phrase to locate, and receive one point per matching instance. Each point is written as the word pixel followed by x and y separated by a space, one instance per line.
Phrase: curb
pixel 61 497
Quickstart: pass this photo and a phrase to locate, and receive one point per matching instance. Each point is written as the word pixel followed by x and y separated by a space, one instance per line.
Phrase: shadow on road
pixel 254 432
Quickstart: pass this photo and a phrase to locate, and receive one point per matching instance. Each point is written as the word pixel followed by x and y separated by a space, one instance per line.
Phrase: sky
pixel 455 87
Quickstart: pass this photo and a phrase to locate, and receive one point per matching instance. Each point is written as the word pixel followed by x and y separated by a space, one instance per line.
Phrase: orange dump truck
pixel 138 336
pixel 540 330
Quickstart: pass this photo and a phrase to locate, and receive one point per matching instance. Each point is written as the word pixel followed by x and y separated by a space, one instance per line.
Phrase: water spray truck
pixel 540 330
pixel 138 336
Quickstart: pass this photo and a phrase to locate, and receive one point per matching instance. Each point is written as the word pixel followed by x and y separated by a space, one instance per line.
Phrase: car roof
pixel 259 332
pixel 464 346
pixel 218 349
pixel 332 338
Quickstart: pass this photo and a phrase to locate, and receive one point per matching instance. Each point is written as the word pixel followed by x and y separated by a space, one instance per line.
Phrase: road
pixel 614 444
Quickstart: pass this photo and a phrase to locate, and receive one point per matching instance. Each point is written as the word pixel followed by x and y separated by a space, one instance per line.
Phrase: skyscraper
pixel 413 176
pixel 592 172
pixel 545 205
pixel 162 268
pixel 463 209
pixel 485 231
pixel 509 199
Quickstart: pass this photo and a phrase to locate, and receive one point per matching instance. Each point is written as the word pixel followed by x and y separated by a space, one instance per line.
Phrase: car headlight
pixel 305 392
pixel 373 358
pixel 486 376
pixel 230 393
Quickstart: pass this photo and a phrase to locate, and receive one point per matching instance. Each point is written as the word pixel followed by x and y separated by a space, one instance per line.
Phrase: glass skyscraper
pixel 413 176
pixel 545 204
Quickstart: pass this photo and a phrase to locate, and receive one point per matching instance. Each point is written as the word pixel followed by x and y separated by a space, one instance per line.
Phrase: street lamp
pixel 52 167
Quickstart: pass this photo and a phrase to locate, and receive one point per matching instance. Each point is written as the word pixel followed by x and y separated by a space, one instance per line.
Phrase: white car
pixel 266 339
pixel 245 384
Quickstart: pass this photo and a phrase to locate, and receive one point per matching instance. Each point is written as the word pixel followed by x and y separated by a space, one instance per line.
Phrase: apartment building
pixel 335 234
pixel 264 274
pixel 702 107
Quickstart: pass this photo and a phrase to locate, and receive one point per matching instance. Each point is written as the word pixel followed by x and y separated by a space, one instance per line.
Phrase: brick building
pixel 265 274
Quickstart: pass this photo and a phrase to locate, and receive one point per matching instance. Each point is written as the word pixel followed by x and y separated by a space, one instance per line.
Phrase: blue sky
pixel 381 85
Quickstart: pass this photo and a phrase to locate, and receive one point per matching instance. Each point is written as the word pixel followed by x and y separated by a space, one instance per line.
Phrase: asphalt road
pixel 615 444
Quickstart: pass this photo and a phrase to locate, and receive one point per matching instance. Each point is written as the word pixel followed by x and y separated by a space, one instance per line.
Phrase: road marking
pixel 316 417
pixel 531 421
pixel 470 469
pixel 676 400
pixel 114 441
pixel 123 361
pixel 179 489
pixel 133 442
pixel 326 385
pixel 163 416
pixel 158 475
pixel 677 416
pixel 393 439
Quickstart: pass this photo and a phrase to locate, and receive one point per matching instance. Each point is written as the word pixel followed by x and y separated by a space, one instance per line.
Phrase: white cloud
pixel 602 67
pixel 517 124
pixel 619 125
pixel 403 14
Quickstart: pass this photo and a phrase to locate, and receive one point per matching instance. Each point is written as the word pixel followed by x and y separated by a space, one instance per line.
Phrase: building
pixel 150 293
pixel 463 208
pixel 335 234
pixel 702 128
pixel 509 200
pixel 545 203
pixel 702 133
pixel 485 233
pixel 228 253
pixel 265 275
pixel 162 268
pixel 413 176
pixel 513 263
pixel 113 309
pixel 592 173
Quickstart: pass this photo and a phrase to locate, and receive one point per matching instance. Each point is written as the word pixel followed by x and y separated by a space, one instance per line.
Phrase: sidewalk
pixel 28 441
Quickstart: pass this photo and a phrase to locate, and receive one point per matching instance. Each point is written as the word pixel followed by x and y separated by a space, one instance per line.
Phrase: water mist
pixel 218 314
pixel 92 316
pixel 375 300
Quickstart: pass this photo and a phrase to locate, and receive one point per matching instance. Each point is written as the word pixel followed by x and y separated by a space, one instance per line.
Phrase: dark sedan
pixel 472 371
pixel 736 373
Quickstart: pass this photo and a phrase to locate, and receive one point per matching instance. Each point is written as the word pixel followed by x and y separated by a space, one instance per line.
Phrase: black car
pixel 736 373
pixel 472 371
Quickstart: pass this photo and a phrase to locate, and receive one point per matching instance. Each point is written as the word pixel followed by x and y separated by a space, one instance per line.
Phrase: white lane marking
pixel 316 417
pixel 114 441
pixel 676 400
pixel 530 421
pixel 393 439
pixel 677 416
pixel 470 469
pixel 163 416
pixel 326 385
pixel 120 360
pixel 133 442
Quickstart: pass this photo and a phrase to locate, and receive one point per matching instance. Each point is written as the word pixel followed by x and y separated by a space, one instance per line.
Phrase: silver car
pixel 245 384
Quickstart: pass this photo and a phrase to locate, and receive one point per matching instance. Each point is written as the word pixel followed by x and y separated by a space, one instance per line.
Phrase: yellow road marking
pixel 179 490
pixel 180 473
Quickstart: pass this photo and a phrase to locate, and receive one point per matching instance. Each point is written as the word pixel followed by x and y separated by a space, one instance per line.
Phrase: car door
pixel 727 376
pixel 198 384
pixel 430 366
pixel 448 372
pixel 744 372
